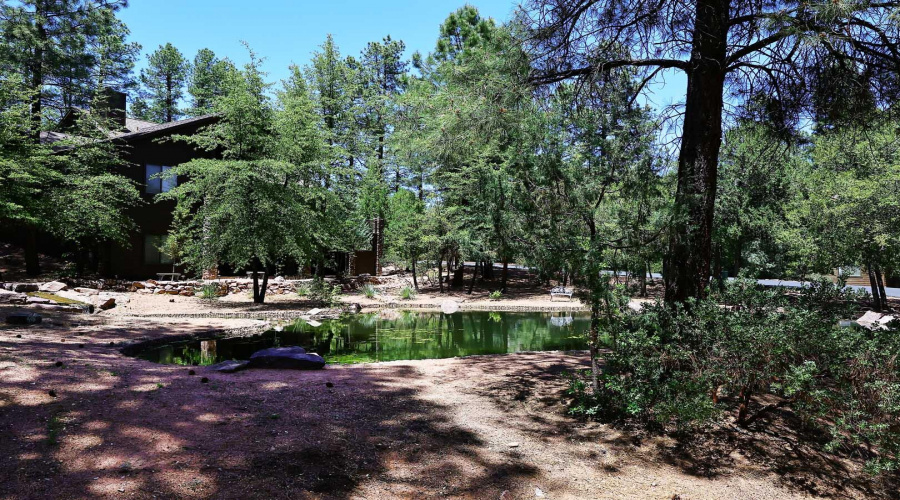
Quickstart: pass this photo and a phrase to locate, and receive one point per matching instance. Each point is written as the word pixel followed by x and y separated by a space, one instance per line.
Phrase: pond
pixel 392 335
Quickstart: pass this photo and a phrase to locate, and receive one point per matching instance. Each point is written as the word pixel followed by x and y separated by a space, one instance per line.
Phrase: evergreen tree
pixel 744 47
pixel 163 83
pixel 207 74
pixel 256 206
pixel 382 79
pixel 65 51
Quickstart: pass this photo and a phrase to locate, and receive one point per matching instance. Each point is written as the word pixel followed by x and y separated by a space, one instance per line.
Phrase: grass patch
pixel 56 298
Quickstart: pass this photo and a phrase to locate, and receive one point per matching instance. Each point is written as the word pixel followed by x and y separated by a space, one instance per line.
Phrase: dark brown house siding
pixel 153 218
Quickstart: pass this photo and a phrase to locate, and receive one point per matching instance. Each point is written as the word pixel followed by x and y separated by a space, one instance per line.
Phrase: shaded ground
pixel 117 427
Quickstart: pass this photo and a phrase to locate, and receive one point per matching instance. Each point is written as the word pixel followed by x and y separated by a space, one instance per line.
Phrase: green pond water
pixel 393 335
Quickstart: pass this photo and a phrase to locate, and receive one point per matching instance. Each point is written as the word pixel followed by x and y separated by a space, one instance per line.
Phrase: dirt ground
pixel 78 419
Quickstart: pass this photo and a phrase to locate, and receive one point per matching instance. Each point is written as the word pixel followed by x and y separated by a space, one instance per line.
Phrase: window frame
pixel 158 185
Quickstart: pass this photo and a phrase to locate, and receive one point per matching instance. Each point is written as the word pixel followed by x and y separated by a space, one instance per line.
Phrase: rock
pixel 192 372
pixel 38 300
pixel 295 358
pixel 313 323
pixel 23 318
pixel 9 297
pixel 538 493
pixel 513 445
pixel 230 366
pixel 329 385
pixel 51 393
pixel 108 304
pixel 24 287
pixel 53 287
pixel 313 312
pixel 353 308
pixel 204 380
pixel 186 293
pixel 88 291
pixel 137 285
pixel 279 279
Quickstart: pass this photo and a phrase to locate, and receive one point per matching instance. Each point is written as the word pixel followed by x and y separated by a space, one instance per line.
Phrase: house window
pixel 155 184
pixel 152 253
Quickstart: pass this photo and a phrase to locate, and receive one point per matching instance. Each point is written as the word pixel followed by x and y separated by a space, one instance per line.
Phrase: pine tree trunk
pixel 441 272
pixel 415 283
pixel 879 278
pixel 32 260
pixel 474 274
pixel 877 301
pixel 688 259
pixel 594 344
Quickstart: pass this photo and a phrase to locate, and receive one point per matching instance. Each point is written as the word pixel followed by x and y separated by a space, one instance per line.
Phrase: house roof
pixel 135 129
pixel 135 125
pixel 162 128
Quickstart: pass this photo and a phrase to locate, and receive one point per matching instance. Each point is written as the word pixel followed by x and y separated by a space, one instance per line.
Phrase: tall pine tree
pixel 164 80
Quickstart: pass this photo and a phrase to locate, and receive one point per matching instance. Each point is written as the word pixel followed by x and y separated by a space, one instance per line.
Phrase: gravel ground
pixel 78 419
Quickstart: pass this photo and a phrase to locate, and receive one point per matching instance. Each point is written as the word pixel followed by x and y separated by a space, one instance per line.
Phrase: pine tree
pixel 205 84
pixel 382 78
pixel 163 80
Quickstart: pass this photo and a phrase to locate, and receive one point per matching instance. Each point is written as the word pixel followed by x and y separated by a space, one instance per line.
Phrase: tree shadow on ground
pixel 778 444
pixel 103 425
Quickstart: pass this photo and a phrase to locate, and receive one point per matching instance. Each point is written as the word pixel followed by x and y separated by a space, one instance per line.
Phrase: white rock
pixel 54 286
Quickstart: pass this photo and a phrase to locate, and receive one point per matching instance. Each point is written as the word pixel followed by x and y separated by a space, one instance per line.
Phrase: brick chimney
pixel 111 105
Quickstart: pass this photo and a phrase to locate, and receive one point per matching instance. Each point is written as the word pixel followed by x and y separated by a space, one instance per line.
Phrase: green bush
pixel 687 366
pixel 496 295
pixel 408 293
pixel 368 291
pixel 209 291
pixel 320 291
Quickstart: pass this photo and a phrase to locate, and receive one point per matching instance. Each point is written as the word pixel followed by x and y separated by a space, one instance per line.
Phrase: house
pixel 147 152
pixel 859 276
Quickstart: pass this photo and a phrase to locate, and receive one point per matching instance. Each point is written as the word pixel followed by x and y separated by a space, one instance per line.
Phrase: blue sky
pixel 286 32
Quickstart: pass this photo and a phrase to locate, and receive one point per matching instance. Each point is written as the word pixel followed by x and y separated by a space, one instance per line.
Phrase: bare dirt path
pixel 78 420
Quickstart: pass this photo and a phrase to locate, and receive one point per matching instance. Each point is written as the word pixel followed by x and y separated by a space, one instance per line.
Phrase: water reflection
pixel 396 335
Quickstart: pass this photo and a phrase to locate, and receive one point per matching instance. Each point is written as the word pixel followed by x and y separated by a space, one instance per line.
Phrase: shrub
pixel 408 293
pixel 209 291
pixel 689 365
pixel 368 291
pixel 320 291
pixel 496 295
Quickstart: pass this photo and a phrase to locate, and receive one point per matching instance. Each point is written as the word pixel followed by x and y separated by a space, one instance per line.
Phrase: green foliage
pixel 205 83
pixel 496 295
pixel 368 291
pixel 163 83
pixel 322 291
pixel 687 366
pixel 210 291
pixel 407 293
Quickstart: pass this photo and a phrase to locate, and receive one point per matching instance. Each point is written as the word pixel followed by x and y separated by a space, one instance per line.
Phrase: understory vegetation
pixel 747 351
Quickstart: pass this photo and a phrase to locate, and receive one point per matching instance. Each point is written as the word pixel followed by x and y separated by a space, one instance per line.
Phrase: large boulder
pixel 54 286
pixel 293 358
